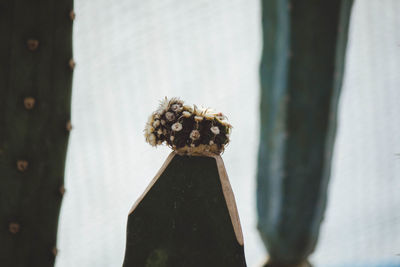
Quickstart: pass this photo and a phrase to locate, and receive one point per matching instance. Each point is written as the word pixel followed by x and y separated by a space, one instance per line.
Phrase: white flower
pixel 186 114
pixel 211 142
pixel 159 132
pixel 188 108
pixel 176 127
pixel 228 134
pixel 170 116
pixel 176 107
pixel 163 122
pixel 152 139
pixel 156 123
pixel 192 145
pixel 194 135
pixel 209 116
pixel 198 118
pixel 172 138
pixel 214 130
pixel 149 129
pixel 222 118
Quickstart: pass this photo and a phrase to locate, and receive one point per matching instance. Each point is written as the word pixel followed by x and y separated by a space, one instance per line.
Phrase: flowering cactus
pixel 187 216
pixel 186 129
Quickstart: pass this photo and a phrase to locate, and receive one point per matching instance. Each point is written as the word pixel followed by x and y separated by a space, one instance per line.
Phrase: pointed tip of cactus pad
pixel 187 130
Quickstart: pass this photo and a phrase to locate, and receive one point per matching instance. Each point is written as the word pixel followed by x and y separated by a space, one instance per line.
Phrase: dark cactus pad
pixel 186 217
pixel 36 69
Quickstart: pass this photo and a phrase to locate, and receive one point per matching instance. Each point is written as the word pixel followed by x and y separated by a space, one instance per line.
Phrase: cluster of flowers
pixel 186 129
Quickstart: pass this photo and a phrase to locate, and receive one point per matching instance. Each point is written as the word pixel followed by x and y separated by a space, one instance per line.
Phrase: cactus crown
pixel 186 129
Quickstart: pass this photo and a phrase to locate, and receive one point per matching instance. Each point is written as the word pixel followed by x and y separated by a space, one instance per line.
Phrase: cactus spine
pixel 36 69
pixel 301 74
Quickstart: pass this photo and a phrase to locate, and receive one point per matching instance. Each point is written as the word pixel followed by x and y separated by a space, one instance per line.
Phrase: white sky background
pixel 363 217
pixel 130 54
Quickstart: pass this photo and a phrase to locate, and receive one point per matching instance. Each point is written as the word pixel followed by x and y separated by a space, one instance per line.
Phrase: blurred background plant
pixel 36 68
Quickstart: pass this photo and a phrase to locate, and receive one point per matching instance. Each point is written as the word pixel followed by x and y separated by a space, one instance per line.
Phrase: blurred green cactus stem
pixel 301 76
pixel 35 97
